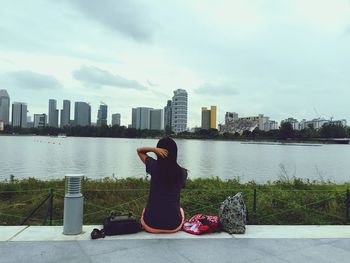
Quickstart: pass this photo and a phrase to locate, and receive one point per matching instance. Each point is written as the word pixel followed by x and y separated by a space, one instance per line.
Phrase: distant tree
pixel 331 130
pixel 213 133
pixel 286 131
pixel 247 133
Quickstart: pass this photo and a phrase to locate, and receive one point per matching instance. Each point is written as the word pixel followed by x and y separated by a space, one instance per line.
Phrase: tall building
pixel 4 107
pixel 167 116
pixel 53 113
pixel 156 119
pixel 179 111
pixel 209 118
pixel 40 120
pixel 82 114
pixel 116 119
pixel 141 118
pixel 19 114
pixel 102 115
pixel 205 118
pixel 65 114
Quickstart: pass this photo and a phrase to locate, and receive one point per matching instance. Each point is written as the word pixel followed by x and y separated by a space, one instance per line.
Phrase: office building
pixel 209 118
pixel 53 113
pixel 235 124
pixel 230 117
pixel 65 114
pixel 116 119
pixel 102 115
pixel 4 107
pixel 19 114
pixel 141 118
pixel 156 119
pixel 40 120
pixel 167 116
pixel 2 126
pixel 179 111
pixel 82 114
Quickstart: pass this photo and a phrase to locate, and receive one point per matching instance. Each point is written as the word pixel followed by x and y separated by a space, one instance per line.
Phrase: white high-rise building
pixel 179 111
pixel 65 114
pixel 19 114
pixel 82 114
pixel 141 118
pixel 156 119
pixel 116 119
pixel 53 113
pixel 4 107
pixel 167 116
pixel 40 120
pixel 102 115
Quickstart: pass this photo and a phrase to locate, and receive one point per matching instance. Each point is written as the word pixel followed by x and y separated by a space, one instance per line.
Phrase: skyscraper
pixel 82 114
pixel 167 116
pixel 65 114
pixel 102 115
pixel 53 113
pixel 209 118
pixel 116 119
pixel 19 114
pixel 156 119
pixel 141 118
pixel 40 120
pixel 4 107
pixel 179 111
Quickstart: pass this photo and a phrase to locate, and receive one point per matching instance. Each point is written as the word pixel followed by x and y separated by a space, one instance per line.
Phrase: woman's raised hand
pixel 161 152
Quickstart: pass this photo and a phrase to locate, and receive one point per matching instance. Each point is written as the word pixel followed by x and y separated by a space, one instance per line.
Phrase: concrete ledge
pixel 54 233
pixel 296 231
pixel 8 232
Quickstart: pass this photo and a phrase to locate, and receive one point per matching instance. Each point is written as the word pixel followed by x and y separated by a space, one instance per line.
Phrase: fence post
pixel 347 206
pixel 51 205
pixel 254 202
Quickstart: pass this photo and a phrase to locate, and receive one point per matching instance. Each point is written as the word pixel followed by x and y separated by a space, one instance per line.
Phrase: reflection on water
pixel 49 157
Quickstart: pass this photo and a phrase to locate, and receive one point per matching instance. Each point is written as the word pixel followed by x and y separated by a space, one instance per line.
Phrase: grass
pixel 288 201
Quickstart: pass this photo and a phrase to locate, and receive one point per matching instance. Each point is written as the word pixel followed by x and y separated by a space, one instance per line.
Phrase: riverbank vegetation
pixel 287 201
pixel 284 133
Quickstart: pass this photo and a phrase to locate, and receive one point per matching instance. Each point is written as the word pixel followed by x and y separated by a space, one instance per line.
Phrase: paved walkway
pixel 259 244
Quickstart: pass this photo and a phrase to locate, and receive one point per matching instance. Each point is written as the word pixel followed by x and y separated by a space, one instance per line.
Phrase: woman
pixel 163 213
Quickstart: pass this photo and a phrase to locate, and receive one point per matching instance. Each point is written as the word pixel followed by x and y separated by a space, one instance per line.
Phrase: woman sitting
pixel 163 213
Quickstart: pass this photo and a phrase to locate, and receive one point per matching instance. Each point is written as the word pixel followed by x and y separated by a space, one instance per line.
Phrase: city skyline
pixel 283 59
pixel 162 116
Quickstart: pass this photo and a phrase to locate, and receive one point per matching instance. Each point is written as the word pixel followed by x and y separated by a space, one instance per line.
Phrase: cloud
pixel 220 89
pixel 27 79
pixel 93 76
pixel 125 16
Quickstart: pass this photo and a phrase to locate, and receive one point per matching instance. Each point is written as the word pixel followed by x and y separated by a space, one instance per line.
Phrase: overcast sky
pixel 280 58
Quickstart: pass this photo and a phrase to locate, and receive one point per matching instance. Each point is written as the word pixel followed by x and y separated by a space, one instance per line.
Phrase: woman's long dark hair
pixel 168 168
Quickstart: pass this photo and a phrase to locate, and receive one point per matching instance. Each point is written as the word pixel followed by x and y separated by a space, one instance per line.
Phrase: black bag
pixel 120 225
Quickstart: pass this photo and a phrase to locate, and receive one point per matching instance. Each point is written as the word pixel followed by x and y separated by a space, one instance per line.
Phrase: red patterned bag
pixel 200 224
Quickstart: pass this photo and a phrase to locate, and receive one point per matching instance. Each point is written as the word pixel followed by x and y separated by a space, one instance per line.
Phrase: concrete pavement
pixel 259 244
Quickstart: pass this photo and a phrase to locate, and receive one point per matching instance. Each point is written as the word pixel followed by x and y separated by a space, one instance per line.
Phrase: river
pixel 51 158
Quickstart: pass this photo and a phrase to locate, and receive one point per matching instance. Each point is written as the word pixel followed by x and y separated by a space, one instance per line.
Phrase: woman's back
pixel 163 206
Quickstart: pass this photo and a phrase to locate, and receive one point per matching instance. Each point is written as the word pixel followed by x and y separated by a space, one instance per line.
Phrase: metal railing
pixel 265 206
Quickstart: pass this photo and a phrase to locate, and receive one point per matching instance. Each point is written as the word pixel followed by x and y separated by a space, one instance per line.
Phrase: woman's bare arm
pixel 142 152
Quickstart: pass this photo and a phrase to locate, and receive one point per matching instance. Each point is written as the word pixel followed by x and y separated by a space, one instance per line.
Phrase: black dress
pixel 163 206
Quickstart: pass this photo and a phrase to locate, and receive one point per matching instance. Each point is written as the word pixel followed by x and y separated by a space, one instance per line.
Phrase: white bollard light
pixel 73 205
